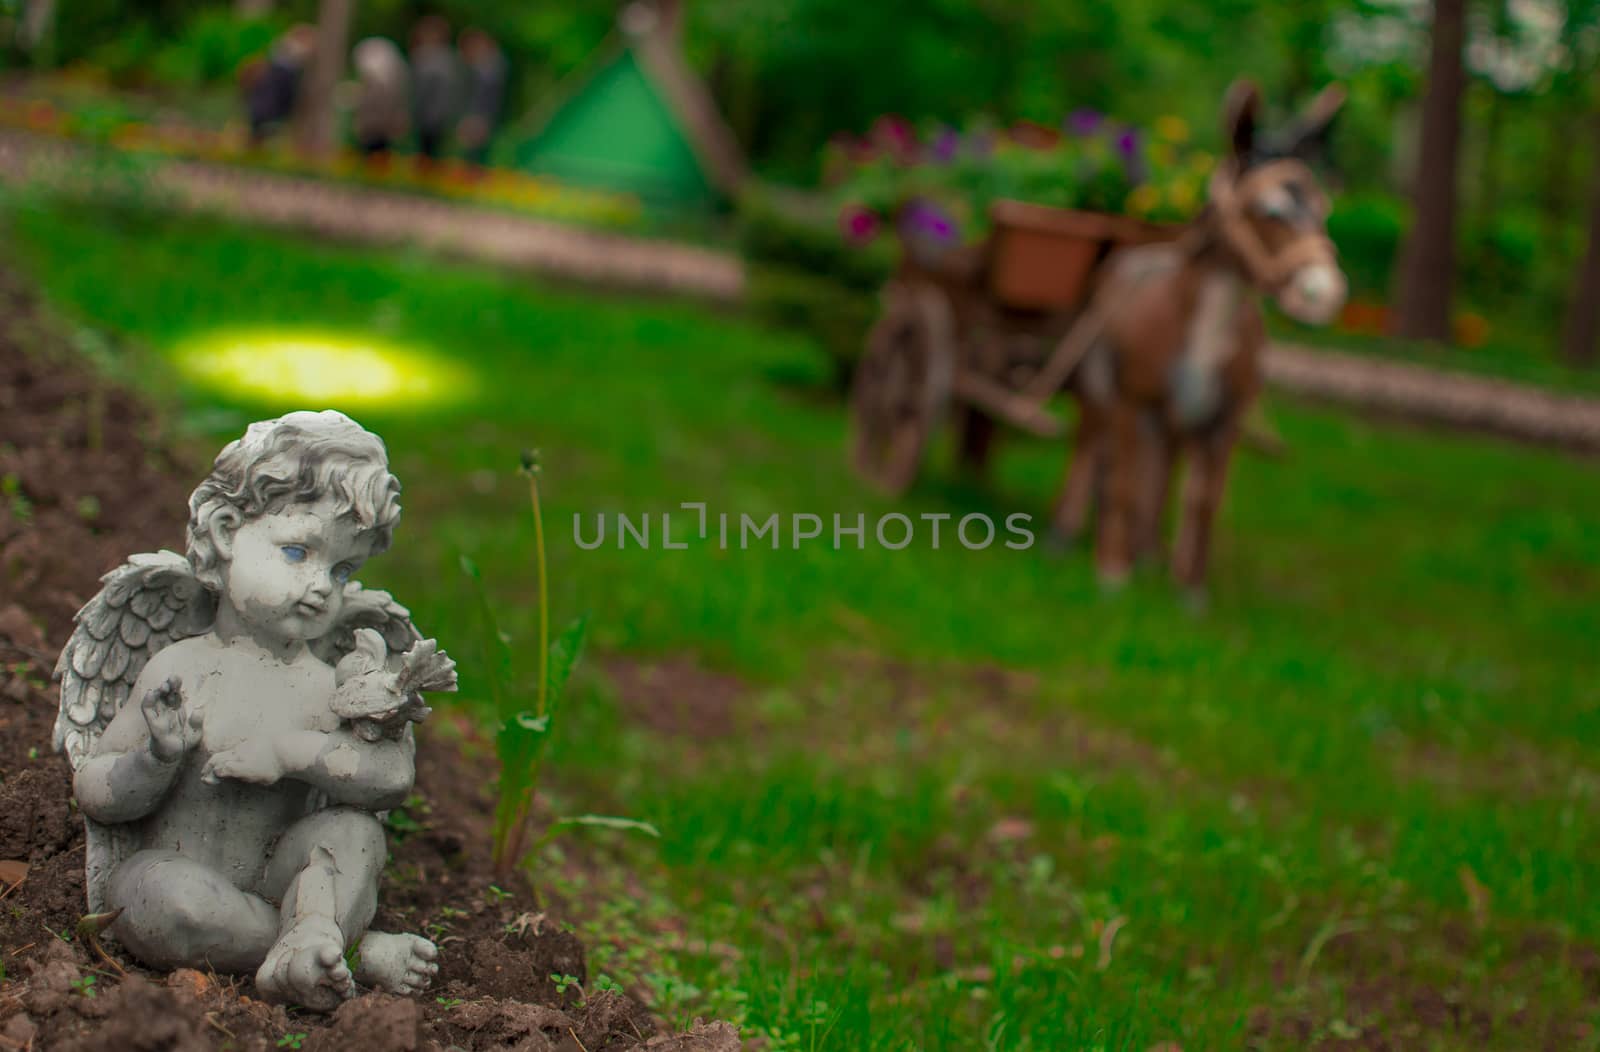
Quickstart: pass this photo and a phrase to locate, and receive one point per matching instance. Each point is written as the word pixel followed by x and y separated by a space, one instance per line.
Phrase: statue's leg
pixel 324 870
pixel 178 913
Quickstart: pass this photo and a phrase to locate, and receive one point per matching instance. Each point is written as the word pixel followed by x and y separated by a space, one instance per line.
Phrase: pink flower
pixel 896 136
pixel 858 224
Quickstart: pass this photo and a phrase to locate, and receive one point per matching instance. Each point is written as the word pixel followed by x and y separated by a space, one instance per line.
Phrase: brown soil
pixel 1406 990
pixel 675 696
pixel 81 491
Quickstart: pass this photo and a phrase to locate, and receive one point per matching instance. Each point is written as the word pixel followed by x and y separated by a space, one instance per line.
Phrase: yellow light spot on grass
pixel 320 369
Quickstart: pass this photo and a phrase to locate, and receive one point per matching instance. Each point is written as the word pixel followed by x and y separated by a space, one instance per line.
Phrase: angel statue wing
pixel 144 605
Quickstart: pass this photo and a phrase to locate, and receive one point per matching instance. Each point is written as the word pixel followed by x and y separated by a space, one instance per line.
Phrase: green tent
pixel 641 122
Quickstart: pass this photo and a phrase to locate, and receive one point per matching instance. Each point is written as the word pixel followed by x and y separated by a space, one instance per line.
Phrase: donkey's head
pixel 1269 211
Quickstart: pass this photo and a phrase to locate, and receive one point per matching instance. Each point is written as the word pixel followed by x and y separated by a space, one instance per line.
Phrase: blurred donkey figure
pixel 383 104
pixel 486 91
pixel 1170 348
pixel 271 86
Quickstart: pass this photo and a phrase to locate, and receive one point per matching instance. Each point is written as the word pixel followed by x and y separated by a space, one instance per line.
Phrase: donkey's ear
pixel 1241 113
pixel 1307 138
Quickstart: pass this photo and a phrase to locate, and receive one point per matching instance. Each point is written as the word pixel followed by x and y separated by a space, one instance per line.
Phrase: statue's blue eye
pixel 341 573
pixel 293 552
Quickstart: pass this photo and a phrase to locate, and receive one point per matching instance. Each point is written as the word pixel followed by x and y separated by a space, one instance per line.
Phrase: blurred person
pixel 271 86
pixel 382 110
pixel 435 83
pixel 486 91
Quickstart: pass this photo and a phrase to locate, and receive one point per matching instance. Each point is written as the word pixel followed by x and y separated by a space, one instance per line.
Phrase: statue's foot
pixel 306 966
pixel 396 964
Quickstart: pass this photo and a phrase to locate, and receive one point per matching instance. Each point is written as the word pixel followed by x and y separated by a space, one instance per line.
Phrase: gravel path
pixel 347 212
pixel 1436 396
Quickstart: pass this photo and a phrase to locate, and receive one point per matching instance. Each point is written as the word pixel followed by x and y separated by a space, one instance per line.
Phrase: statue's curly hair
pixel 299 457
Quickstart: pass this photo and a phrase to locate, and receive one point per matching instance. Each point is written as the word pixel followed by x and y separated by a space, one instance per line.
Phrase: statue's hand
pixel 255 762
pixel 172 734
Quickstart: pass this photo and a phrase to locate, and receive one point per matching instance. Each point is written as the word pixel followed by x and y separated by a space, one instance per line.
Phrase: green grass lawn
pixel 964 800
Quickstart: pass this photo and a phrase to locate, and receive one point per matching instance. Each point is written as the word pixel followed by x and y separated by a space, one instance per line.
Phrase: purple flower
pixel 923 218
pixel 1127 143
pixel 1085 121
pixel 858 224
pixel 945 145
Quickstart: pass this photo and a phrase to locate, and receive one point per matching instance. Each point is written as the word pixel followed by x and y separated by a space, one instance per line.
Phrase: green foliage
pixel 211 47
pixel 796 235
pixel 804 276
pixel 1368 228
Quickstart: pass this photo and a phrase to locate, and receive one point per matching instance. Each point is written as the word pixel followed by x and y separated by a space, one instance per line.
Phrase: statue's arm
pixel 123 779
pixel 375 776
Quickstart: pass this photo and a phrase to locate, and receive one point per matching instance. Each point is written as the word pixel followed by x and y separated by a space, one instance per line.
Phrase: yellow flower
pixel 1163 154
pixel 1183 196
pixel 1143 200
pixel 1172 129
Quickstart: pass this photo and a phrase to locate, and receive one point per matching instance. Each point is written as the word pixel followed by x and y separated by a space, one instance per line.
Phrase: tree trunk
pixel 1427 272
pixel 1583 313
pixel 314 115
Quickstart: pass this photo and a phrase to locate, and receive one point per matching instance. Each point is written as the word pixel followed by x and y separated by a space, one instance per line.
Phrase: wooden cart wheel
pixel 902 385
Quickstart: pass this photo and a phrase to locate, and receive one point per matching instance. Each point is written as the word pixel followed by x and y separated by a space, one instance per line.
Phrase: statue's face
pixel 287 569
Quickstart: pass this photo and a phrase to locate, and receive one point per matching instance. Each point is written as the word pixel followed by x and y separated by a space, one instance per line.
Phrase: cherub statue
pixel 238 718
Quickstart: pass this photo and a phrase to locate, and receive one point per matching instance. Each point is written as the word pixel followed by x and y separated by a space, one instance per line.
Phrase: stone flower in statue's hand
pixel 378 702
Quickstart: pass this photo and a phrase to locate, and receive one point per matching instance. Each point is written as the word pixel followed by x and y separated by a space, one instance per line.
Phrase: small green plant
pixel 403 820
pixel 564 982
pixel 84 984
pixel 291 1040
pixel 523 732
pixel 448 1002
pixel 497 893
pixel 11 489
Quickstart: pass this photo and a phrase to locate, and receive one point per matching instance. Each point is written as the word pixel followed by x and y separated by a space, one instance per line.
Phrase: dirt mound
pixel 81 488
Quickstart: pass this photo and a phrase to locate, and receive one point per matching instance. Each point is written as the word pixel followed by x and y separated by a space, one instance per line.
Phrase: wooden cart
pixel 964 331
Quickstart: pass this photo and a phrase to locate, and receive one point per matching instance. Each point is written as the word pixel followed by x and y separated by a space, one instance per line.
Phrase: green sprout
pixel 524 731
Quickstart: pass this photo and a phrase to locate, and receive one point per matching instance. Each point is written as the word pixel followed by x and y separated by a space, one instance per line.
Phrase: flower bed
pixel 492 187
pixel 938 184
